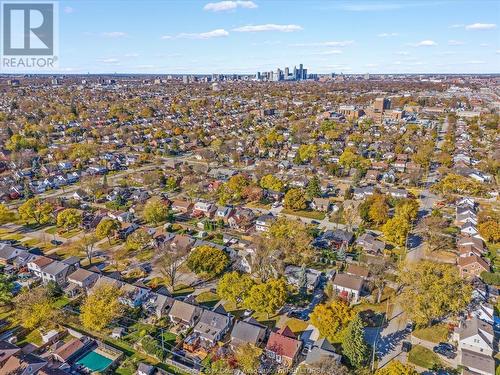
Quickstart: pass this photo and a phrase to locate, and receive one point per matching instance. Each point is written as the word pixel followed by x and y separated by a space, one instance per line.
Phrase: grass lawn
pixel 270 321
pixel 71 233
pixel 208 299
pixel 33 337
pixel 106 245
pixel 258 205
pixel 145 255
pixel 437 333
pixel 316 215
pixel 182 290
pixel 51 230
pixel 12 236
pixel 296 325
pixel 423 357
pixel 31 242
pixel 61 302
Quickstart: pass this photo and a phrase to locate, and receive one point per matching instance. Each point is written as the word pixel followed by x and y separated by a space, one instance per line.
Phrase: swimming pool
pixel 94 361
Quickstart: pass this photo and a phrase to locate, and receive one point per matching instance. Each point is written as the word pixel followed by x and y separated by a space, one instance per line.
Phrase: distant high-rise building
pixel 287 72
pixel 381 104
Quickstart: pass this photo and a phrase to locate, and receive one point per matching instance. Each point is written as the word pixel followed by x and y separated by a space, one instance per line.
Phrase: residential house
pixel 248 331
pixel 321 351
pixel 321 204
pixel 8 253
pixel 283 347
pixel 264 222
pixel 213 325
pixel 133 295
pixel 472 266
pixel 311 277
pixel 22 364
pixel 57 271
pixel 476 336
pixel 83 279
pixel 7 350
pixel 159 304
pixel 184 313
pixel 370 244
pixel 348 287
pixel 355 270
pixel 36 265
pixel 181 206
pixel 70 350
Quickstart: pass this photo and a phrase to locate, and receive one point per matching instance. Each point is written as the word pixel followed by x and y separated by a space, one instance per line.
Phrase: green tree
pixel 313 189
pixel 331 319
pixel 34 308
pixel 295 200
pixel 396 368
pixel 207 261
pixel 267 297
pixel 69 218
pixel 138 240
pixel 155 211
pixel 101 307
pixel 354 346
pixel 271 182
pixel 407 208
pixel 6 215
pixel 490 230
pixel 234 287
pixel 396 230
pixel 290 240
pixel 37 210
pixel 6 287
pixel 248 358
pixel 107 228
pixel 432 290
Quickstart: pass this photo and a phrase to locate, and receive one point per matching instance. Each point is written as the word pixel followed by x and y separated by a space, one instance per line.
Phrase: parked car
pixel 406 346
pixel 444 351
pixel 56 242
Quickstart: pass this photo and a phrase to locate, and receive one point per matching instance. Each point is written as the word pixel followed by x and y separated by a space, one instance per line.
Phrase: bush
pixel 491 278
pixel 151 347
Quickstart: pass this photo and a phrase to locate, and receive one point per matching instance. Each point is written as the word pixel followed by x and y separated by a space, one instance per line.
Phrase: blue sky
pixel 248 36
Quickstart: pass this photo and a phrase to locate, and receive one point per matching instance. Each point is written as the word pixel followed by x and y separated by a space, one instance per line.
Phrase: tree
pixel 171 183
pixel 6 215
pixel 155 211
pixel 295 199
pixel 87 245
pixel 169 263
pixel 379 209
pixel 332 318
pixel 34 308
pixel 6 287
pixel 432 290
pixel 379 277
pixel 101 307
pixel 267 297
pixel 290 240
pixel 490 230
pixel 69 218
pixel 106 229
pixel 354 346
pixel 432 229
pixel 396 368
pixel 234 287
pixel 407 208
pixel 313 189
pixel 35 209
pixel 207 261
pixel 138 240
pixel 272 182
pixel 248 358
pixel 396 230
pixel 323 366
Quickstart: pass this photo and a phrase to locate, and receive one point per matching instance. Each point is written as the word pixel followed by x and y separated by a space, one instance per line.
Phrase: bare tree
pixel 87 245
pixel 169 263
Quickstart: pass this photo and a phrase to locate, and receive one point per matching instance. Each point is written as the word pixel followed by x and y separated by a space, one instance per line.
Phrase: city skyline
pixel 243 37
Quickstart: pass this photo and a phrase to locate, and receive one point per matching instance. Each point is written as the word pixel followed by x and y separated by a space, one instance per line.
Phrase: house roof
pixel 69 349
pixel 8 252
pixel 475 326
pixel 322 349
pixel 7 349
pixel 476 361
pixel 211 324
pixel 473 259
pixel 356 270
pixel 247 331
pixel 348 281
pixel 184 311
pixel 42 261
pixel 284 343
pixel 18 363
pixel 55 268
pixel 81 275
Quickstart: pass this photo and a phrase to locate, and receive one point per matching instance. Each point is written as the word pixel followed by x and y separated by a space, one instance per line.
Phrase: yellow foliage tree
pixel 101 307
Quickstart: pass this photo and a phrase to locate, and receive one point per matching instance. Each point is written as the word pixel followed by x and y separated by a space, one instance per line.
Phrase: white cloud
pixel 481 26
pixel 114 34
pixel 474 62
pixel 385 35
pixel 206 35
pixel 229 5
pixel 268 27
pixel 329 52
pixel 68 10
pixel 425 43
pixel 373 7
pixel 457 26
pixel 109 60
pixel 455 42
pixel 325 44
